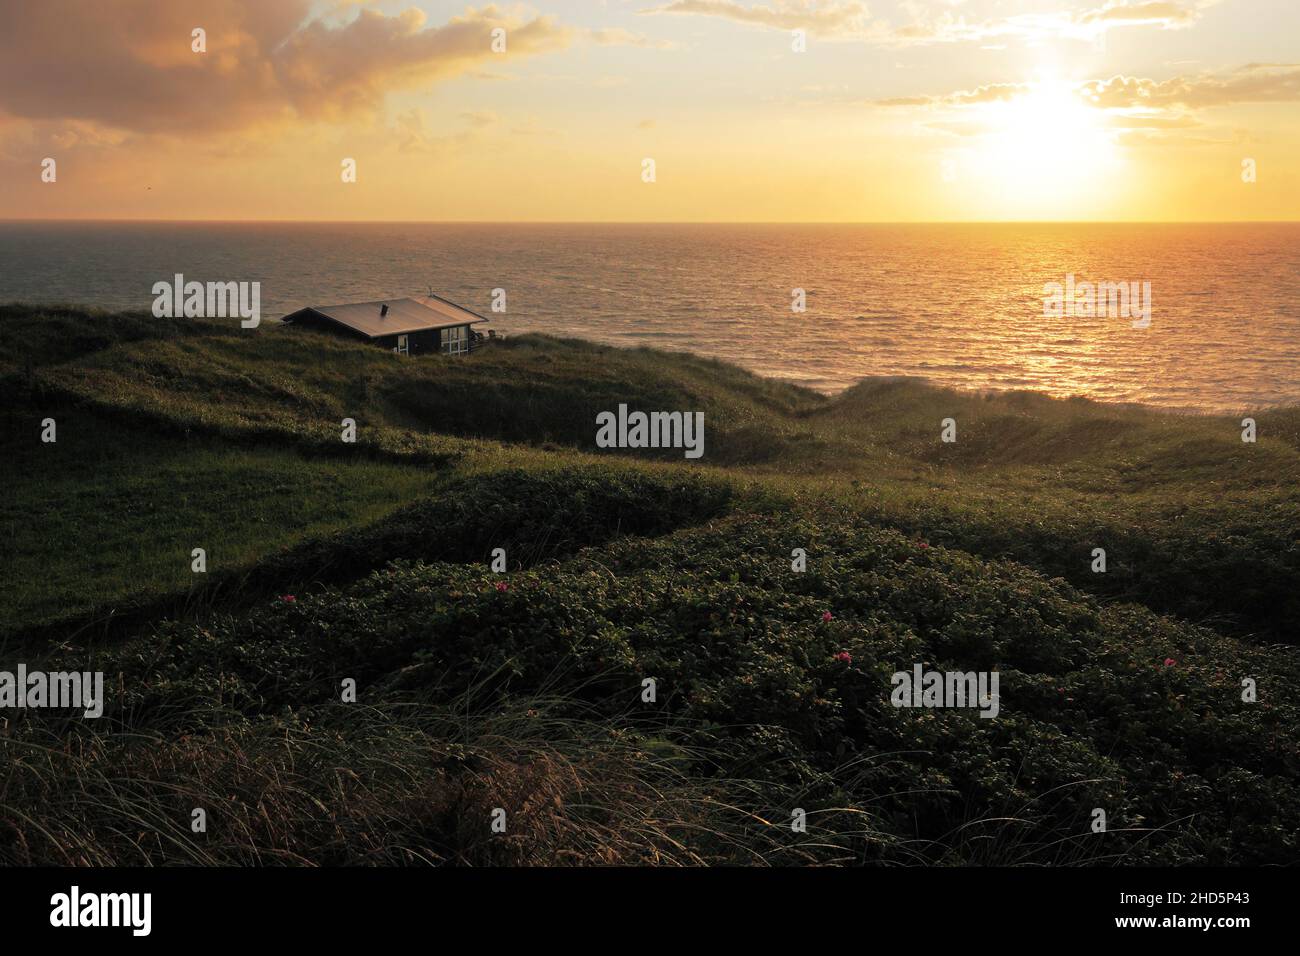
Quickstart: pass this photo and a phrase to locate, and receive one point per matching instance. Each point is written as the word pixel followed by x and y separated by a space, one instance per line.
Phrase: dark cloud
pixel 128 64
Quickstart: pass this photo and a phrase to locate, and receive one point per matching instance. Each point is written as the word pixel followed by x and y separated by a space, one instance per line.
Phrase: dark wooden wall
pixel 421 343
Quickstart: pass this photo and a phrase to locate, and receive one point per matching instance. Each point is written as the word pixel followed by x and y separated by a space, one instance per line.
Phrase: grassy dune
pixel 522 689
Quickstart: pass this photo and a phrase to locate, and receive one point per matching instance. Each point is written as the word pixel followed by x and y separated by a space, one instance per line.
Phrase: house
pixel 407 326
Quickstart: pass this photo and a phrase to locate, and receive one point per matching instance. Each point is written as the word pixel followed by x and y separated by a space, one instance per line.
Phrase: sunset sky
pixel 898 110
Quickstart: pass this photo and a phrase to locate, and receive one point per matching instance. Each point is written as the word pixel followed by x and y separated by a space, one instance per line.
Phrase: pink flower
pixel 844 656
pixel 923 544
pixel 287 598
pixel 502 586
pixel 827 616
pixel 1170 662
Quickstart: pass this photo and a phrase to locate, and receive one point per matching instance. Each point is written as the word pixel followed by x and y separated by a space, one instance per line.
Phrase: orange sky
pixel 778 110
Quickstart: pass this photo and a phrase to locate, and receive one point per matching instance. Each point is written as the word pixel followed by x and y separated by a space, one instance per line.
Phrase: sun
pixel 1042 153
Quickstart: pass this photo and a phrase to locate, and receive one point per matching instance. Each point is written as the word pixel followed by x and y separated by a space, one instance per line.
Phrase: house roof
pixel 404 315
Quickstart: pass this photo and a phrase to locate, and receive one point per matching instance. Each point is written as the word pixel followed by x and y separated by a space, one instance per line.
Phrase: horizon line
pixel 666 222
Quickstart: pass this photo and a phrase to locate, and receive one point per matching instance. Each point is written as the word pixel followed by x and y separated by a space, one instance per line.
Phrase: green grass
pixel 115 513
pixel 1040 480
pixel 972 556
pixel 751 699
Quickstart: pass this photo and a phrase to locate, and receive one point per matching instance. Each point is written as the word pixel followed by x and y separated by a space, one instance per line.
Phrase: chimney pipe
pixel 383 310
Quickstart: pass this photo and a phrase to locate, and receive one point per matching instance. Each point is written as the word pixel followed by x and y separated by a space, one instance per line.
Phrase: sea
pixel 823 306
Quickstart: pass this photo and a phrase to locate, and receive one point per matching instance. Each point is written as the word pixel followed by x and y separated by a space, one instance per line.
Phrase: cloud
pixel 480 119
pixel 1138 138
pixel 128 65
pixel 1138 111
pixel 1255 83
pixel 616 36
pixel 1062 25
pixel 847 20
pixel 1151 121
pixel 414 134
pixel 991 93
pixel 1168 16
pixel 835 18
pixel 905 101
pixel 334 71
pixel 960 127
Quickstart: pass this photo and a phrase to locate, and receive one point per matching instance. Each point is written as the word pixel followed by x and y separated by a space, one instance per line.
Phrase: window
pixel 403 345
pixel 455 340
